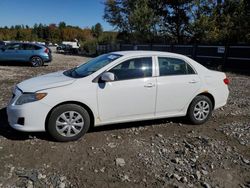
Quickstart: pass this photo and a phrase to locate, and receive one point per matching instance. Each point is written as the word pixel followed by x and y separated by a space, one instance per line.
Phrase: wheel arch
pixel 91 114
pixel 210 96
pixel 207 94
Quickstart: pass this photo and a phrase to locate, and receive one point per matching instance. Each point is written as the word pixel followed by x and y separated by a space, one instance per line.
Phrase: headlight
pixel 30 97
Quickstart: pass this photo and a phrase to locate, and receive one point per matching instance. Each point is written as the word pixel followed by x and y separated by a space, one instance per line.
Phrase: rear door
pixel 21 53
pixel 28 50
pixel 176 85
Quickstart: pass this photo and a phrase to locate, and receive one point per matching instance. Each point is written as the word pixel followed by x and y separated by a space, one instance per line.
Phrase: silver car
pixel 35 54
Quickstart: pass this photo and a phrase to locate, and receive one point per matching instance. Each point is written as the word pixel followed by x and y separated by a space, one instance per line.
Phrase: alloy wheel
pixel 36 61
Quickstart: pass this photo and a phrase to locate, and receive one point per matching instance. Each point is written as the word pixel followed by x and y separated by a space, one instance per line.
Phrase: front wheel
pixel 68 122
pixel 200 110
pixel 36 61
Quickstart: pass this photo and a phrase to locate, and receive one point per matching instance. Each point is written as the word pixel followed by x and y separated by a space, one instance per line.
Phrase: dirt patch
pixel 158 153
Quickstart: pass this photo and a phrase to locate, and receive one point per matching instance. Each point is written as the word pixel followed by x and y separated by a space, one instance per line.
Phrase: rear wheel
pixel 36 61
pixel 68 122
pixel 200 110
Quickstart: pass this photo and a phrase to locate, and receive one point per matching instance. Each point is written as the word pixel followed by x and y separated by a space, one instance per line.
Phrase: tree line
pixel 151 21
pixel 180 21
pixel 54 33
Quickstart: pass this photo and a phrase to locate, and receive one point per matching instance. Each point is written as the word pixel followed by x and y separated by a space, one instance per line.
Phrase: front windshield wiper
pixel 69 72
pixel 74 74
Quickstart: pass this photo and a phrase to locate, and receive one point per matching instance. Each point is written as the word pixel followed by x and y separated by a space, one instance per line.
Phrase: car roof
pixel 145 52
pixel 27 43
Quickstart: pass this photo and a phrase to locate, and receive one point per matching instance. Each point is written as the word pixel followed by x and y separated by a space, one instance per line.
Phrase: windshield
pixel 91 66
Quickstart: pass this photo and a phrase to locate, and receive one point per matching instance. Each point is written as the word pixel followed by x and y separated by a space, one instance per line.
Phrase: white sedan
pixel 114 88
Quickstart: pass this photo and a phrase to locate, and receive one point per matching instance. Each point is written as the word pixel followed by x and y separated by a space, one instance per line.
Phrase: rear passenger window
pixel 190 70
pixel 173 66
pixel 133 68
pixel 28 47
pixel 37 47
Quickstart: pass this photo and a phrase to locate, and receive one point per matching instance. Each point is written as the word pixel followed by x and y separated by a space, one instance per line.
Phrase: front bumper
pixel 34 115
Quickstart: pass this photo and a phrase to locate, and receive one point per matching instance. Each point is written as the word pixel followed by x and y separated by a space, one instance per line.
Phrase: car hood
pixel 47 81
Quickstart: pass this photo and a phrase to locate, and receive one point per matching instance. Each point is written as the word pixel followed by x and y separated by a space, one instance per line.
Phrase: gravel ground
pixel 161 153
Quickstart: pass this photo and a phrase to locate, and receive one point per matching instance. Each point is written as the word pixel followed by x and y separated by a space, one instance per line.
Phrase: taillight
pixel 46 50
pixel 226 81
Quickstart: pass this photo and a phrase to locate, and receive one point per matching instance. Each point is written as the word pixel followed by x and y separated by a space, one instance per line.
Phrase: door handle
pixel 193 81
pixel 149 85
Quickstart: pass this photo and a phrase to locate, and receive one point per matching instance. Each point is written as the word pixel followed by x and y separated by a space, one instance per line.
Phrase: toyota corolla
pixel 114 88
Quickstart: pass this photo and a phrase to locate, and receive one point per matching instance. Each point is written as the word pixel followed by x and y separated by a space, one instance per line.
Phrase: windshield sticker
pixel 112 57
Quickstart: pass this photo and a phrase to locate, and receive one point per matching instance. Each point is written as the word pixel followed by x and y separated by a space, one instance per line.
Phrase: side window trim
pixel 125 59
pixel 11 46
pixel 130 58
pixel 108 67
pixel 158 67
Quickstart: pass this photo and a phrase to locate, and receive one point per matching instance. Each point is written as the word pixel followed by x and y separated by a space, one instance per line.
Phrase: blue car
pixel 2 44
pixel 35 54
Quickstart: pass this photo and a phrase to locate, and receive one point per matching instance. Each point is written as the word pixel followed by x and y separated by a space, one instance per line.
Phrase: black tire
pixel 55 117
pixel 195 115
pixel 36 61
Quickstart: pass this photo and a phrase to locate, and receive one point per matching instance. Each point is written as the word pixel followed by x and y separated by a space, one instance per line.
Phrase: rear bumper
pixel 47 59
pixel 221 98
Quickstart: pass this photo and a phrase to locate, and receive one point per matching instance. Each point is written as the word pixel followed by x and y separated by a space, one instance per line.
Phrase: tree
pixel 143 21
pixel 221 22
pixel 133 17
pixel 203 23
pixel 108 38
pixel 62 25
pixel 147 18
pixel 174 18
pixel 97 30
pixel 116 14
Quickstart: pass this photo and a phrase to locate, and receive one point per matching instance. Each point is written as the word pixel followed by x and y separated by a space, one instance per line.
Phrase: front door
pixel 11 52
pixel 132 95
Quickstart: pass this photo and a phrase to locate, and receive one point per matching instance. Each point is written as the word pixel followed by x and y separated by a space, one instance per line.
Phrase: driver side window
pixel 133 69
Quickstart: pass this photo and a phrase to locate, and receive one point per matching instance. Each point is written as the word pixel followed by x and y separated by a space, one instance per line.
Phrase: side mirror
pixel 108 77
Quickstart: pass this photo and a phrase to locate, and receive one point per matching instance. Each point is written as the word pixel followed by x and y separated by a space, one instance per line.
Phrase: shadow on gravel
pixel 18 64
pixel 14 63
pixel 9 133
pixel 136 124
